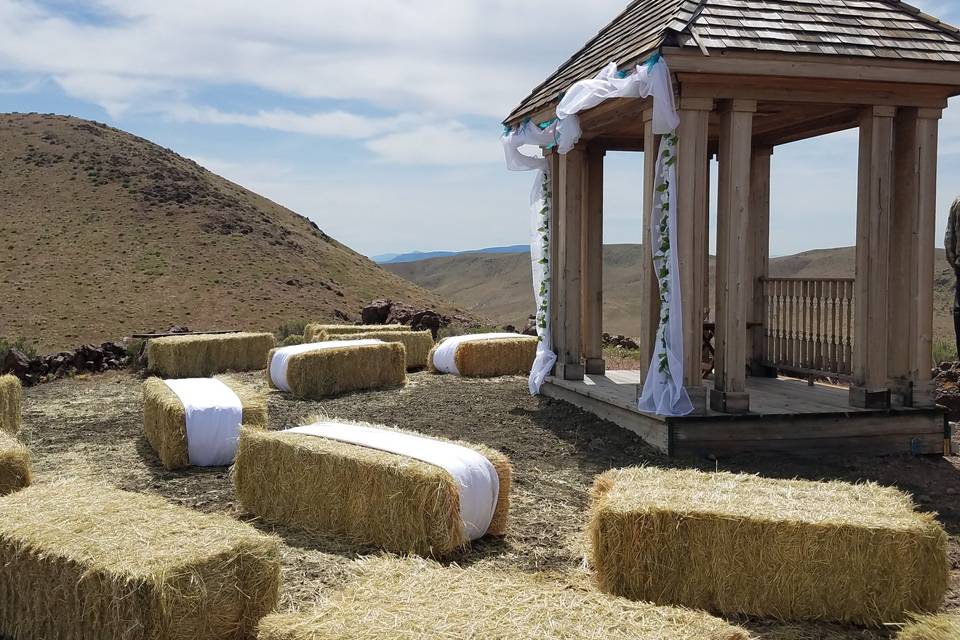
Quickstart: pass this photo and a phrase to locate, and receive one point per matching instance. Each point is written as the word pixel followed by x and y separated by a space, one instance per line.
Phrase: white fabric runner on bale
pixel 214 415
pixel 476 477
pixel 445 355
pixel 281 357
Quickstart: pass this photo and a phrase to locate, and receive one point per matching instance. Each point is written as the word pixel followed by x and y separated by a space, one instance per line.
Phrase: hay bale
pixel 88 561
pixel 327 371
pixel 322 332
pixel 364 495
pixel 410 599
pixel 417 344
pixel 940 627
pixel 200 356
pixel 11 398
pixel 14 464
pixel 165 420
pixel 486 355
pixel 781 549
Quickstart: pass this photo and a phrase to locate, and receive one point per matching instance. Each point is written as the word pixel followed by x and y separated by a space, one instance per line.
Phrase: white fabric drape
pixel 662 393
pixel 445 355
pixel 281 357
pixel 214 415
pixel 476 477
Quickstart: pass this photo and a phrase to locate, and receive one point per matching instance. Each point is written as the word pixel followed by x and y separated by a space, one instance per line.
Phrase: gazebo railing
pixel 809 325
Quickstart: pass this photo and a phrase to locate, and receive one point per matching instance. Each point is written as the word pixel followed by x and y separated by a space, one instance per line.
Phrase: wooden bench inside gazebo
pixel 749 76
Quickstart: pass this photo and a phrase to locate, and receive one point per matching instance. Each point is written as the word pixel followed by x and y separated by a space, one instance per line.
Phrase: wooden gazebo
pixel 750 75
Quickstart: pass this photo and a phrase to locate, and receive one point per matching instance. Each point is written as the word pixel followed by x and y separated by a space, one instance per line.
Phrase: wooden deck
pixel 786 415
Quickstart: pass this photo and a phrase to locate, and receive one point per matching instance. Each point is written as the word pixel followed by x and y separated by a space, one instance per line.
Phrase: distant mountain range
pixel 416 256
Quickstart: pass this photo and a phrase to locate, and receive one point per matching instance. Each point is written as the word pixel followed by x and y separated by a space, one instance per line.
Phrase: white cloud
pixel 332 124
pixel 445 143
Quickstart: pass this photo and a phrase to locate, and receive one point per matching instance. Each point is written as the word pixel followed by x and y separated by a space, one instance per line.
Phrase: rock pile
pixel 86 358
pixel 947 382
pixel 390 312
pixel 620 341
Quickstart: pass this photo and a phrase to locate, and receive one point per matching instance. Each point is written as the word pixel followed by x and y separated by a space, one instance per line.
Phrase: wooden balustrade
pixel 809 325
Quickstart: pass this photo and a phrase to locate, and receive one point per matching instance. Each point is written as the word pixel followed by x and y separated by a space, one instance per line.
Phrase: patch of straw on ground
pixel 933 627
pixel 200 356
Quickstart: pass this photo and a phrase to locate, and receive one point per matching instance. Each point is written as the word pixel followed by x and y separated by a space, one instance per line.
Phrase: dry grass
pixel 940 627
pixel 201 356
pixel 415 599
pixel 14 464
pixel 11 397
pixel 417 343
pixel 361 494
pixel 81 560
pixel 329 372
pixel 165 420
pixel 323 332
pixel 494 357
pixel 780 549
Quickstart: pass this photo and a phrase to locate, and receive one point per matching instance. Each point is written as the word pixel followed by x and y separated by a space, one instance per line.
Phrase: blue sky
pixel 378 119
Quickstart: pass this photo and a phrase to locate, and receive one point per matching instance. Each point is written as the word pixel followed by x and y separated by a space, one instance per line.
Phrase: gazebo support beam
pixel 568 289
pixel 592 249
pixel 729 394
pixel 758 256
pixel 649 290
pixel 871 387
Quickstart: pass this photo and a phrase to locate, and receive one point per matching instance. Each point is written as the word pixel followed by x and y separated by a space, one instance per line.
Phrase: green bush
pixel 944 350
pixel 26 346
pixel 293 328
pixel 291 340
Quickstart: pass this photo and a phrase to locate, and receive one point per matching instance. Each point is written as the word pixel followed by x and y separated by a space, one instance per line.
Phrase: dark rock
pixel 530 329
pixel 619 341
pixel 376 312
pixel 509 328
pixel 16 362
pixel 178 329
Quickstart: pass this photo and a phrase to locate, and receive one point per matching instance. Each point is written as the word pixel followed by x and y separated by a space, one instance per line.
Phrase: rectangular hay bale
pixel 15 471
pixel 201 356
pixel 781 549
pixel 328 372
pixel 494 357
pixel 362 494
pixel 321 332
pixel 165 420
pixel 410 600
pixel 934 627
pixel 88 561
pixel 11 399
pixel 417 343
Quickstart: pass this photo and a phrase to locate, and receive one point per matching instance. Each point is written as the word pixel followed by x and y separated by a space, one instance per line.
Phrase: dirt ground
pixel 92 428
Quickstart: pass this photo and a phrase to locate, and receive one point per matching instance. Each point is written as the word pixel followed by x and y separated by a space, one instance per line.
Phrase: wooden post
pixel 555 320
pixel 649 289
pixel 567 287
pixel 729 394
pixel 692 243
pixel 758 256
pixel 592 277
pixel 871 388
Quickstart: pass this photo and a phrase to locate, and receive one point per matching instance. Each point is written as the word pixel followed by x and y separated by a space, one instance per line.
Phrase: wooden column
pixel 729 393
pixel 592 276
pixel 871 386
pixel 758 255
pixel 692 243
pixel 555 320
pixel 649 289
pixel 567 287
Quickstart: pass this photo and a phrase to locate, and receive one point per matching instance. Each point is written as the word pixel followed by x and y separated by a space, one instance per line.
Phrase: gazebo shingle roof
pixel 868 28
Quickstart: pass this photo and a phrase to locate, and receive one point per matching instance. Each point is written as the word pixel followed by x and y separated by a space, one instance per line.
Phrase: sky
pixel 378 119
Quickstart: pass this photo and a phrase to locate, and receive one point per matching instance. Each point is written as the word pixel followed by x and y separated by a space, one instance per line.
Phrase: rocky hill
pixel 104 234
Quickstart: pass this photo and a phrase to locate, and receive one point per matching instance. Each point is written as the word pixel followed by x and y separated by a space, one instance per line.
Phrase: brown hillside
pixel 104 234
pixel 499 286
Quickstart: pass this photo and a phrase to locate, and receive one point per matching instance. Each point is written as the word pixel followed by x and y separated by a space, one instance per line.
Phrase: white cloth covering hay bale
pixel 90 562
pixel 204 355
pixel 381 492
pixel 781 549
pixel 15 471
pixel 416 599
pixel 484 355
pixel 11 394
pixel 416 343
pixel 322 369
pixel 322 332
pixel 196 422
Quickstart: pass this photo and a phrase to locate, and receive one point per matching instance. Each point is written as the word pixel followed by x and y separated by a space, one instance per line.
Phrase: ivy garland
pixel 543 307
pixel 662 256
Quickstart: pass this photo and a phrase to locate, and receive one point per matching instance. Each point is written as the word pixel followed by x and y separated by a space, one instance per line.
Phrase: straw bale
pixel 414 599
pixel 494 357
pixel 781 549
pixel 14 464
pixel 364 495
pixel 935 627
pixel 88 561
pixel 417 343
pixel 165 419
pixel 328 372
pixel 11 395
pixel 322 332
pixel 200 356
